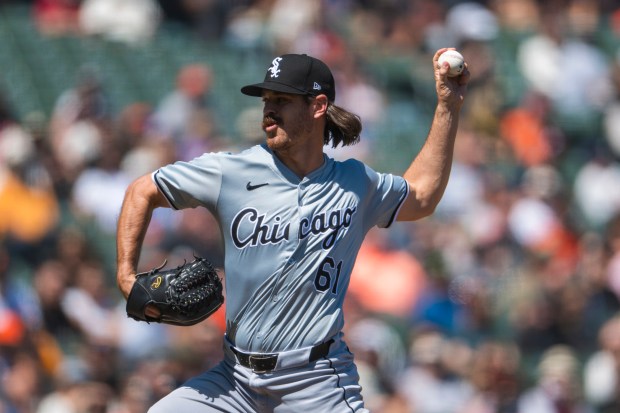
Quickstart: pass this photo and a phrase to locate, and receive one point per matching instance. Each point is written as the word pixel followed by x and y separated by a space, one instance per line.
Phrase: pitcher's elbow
pixel 427 209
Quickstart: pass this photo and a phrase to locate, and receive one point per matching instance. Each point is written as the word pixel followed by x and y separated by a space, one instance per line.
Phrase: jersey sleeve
pixel 387 194
pixel 191 184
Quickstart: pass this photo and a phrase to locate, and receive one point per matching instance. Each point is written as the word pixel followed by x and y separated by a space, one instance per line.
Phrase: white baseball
pixel 455 60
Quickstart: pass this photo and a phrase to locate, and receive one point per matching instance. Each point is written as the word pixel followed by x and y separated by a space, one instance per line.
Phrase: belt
pixel 267 362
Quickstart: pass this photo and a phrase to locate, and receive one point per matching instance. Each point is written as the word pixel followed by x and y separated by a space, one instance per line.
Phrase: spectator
pixel 56 17
pixel 558 387
pixel 99 189
pixel 381 356
pixel 602 370
pixel 29 208
pixel 189 99
pixel 132 22
pixel 386 279
pixel 597 189
pixel 431 384
pixel 87 305
pixel 20 382
pixel 536 219
pixel 496 379
pixel 77 124
pixel 580 90
pixel 528 130
pixel 50 282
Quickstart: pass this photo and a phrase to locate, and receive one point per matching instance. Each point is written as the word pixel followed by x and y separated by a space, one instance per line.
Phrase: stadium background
pixel 506 300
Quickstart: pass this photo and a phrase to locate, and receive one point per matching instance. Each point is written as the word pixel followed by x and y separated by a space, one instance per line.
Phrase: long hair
pixel 342 127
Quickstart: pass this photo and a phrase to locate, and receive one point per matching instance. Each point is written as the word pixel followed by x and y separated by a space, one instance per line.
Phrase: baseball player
pixel 292 220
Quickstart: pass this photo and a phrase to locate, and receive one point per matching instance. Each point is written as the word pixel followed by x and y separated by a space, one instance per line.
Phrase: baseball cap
pixel 299 74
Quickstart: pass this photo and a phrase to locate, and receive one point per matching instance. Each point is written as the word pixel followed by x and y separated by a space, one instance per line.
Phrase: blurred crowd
pixel 506 300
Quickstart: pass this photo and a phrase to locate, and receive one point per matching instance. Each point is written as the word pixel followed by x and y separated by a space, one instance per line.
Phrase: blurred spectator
pixel 596 189
pixel 131 22
pixel 134 395
pixel 495 377
pixel 85 100
pixel 56 17
pixel 83 396
pixel 246 125
pixel 190 96
pixel 357 93
pixel 600 303
pixel 465 191
pixel 436 306
pixel 130 125
pixel 99 189
pixel 380 356
pixel 17 314
pixel 559 386
pixel 246 28
pixel 300 16
pixel 50 283
pixel 386 279
pixel 29 208
pixel 433 383
pixel 602 370
pixel 136 341
pixel 77 123
pixel 202 344
pixel 537 218
pixel 611 114
pixel 86 302
pixel 534 140
pixel 612 270
pixel 464 22
pixel 78 148
pixel 580 89
pixel 21 382
pixel 189 236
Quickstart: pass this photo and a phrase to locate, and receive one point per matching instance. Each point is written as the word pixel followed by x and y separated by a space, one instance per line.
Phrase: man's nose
pixel 269 108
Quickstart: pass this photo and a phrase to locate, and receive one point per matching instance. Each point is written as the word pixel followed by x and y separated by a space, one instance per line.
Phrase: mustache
pixel 269 120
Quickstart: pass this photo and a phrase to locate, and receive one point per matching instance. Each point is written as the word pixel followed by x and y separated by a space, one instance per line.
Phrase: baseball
pixel 456 61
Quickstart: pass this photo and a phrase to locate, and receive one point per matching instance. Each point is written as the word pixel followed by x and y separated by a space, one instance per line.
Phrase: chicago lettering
pixel 256 231
pixel 322 223
pixel 261 234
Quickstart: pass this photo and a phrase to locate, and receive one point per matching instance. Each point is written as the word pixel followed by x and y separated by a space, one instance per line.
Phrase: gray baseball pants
pixel 329 384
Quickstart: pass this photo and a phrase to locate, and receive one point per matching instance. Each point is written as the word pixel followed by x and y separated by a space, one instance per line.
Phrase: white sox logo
pixel 263 234
pixel 275 67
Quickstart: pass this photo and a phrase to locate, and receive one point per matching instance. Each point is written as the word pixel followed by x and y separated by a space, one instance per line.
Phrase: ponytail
pixel 342 127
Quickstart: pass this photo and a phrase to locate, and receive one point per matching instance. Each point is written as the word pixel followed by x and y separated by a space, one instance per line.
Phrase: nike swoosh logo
pixel 251 187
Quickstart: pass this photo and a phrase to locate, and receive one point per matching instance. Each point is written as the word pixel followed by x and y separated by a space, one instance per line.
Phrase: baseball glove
pixel 185 295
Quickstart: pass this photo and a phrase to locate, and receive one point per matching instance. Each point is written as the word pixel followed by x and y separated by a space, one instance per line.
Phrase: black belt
pixel 265 362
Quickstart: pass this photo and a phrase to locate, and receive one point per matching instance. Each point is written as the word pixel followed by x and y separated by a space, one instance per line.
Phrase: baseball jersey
pixel 290 243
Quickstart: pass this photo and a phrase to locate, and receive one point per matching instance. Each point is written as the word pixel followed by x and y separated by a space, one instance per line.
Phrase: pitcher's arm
pixel 141 198
pixel 429 171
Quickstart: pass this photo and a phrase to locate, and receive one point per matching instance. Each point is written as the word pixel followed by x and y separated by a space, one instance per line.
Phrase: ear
pixel 319 105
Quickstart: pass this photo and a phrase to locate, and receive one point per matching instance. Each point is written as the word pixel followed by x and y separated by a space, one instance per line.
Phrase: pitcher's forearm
pixel 429 172
pixel 434 160
pixel 141 198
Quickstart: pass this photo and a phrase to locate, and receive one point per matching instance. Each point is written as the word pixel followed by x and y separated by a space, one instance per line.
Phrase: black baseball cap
pixel 299 74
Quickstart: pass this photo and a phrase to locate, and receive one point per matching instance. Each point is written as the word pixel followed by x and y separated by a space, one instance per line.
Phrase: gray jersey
pixel 290 243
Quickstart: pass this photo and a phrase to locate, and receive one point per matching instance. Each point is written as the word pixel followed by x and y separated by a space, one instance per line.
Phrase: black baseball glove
pixel 185 295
